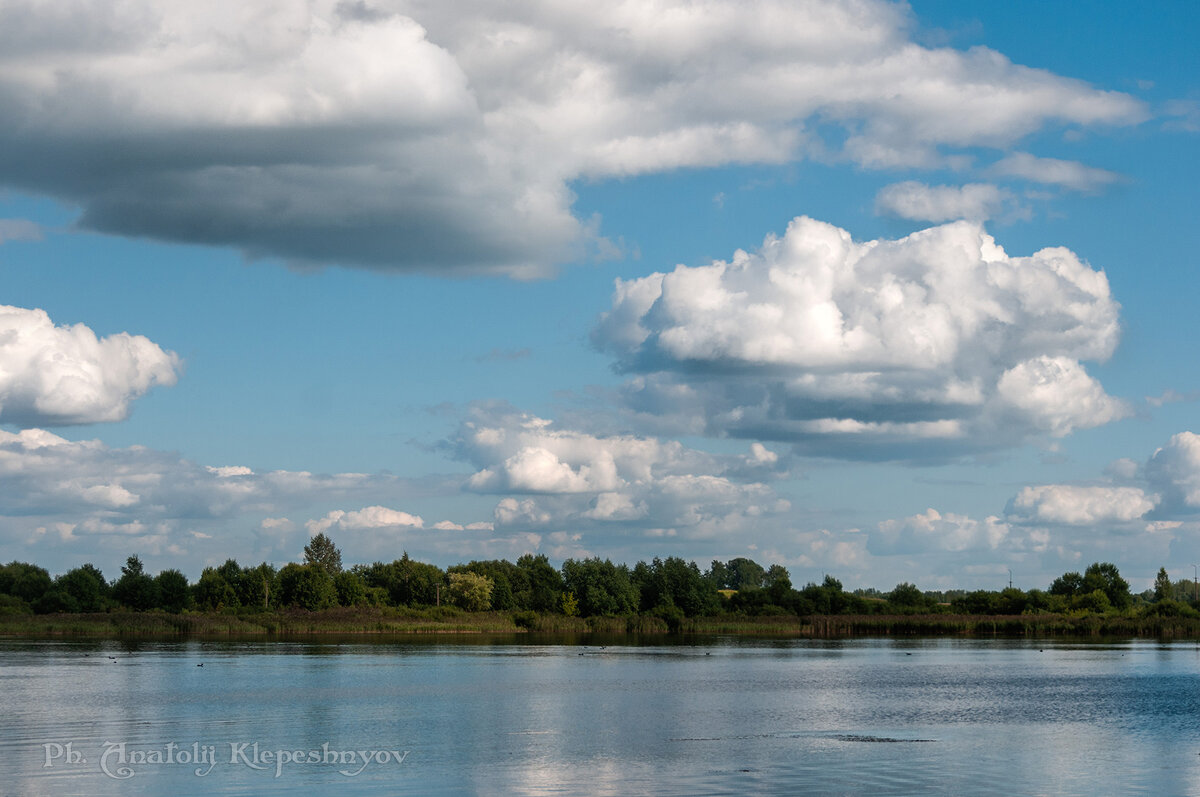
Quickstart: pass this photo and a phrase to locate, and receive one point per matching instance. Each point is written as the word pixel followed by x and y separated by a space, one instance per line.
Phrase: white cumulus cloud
pixel 850 348
pixel 933 531
pixel 1080 506
pixel 60 375
pixel 559 476
pixel 370 517
pixel 1174 470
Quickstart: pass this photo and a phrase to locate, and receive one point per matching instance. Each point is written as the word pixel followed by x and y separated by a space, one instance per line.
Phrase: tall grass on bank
pixel 1027 625
pixel 344 620
pixel 382 621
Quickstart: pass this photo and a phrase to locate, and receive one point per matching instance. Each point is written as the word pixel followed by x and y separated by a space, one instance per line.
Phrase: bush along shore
pixel 589 596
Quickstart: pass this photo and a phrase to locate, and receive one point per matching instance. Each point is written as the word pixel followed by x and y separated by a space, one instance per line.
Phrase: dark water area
pixel 720 715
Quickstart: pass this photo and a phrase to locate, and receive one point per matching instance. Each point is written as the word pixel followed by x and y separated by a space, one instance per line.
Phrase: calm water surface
pixel 723 716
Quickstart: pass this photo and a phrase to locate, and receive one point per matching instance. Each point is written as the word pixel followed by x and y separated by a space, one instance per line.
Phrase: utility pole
pixel 1010 578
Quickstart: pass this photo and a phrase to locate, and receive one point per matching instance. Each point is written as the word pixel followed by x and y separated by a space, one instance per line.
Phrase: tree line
pixel 670 588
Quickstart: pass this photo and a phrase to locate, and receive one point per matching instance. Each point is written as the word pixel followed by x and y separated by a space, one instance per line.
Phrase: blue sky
pixel 465 285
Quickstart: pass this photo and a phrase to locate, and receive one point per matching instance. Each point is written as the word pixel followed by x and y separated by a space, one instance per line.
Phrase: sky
pixel 892 292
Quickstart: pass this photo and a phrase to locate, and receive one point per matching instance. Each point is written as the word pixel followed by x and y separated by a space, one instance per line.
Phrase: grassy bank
pixel 1020 625
pixel 342 621
pixel 367 621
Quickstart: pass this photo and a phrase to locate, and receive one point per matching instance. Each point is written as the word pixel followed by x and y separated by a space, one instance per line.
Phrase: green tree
pixel 780 587
pixel 470 591
pixel 601 587
pixel 1068 584
pixel 321 552
pixel 906 594
pixel 257 585
pixel 1011 601
pixel 25 581
pixel 978 601
pixel 174 593
pixel 351 588
pixel 135 589
pixel 1094 601
pixel 545 584
pixel 827 598
pixel 86 586
pixel 774 573
pixel 569 604
pixel 1105 577
pixel 231 571
pixel 718 574
pixel 415 583
pixel 674 584
pixel 308 586
pixel 744 573
pixel 213 592
pixel 508 581
pixel 55 601
pixel 1162 586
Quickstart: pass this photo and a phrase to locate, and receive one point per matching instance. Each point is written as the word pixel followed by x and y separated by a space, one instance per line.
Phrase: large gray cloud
pixel 54 375
pixel 937 342
pixel 404 134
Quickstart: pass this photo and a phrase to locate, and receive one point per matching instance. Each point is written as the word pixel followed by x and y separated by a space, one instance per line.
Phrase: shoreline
pixel 366 623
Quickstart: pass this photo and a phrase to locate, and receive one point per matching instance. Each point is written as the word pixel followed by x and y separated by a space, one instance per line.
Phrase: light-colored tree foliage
pixel 570 604
pixel 470 591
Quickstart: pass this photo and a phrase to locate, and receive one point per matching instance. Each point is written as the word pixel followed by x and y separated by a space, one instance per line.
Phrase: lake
pixel 519 715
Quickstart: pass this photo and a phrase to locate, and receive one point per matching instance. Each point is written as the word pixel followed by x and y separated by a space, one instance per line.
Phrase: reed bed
pixel 389 621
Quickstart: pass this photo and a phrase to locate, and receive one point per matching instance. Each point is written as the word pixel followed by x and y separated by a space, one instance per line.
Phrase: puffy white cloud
pixel 848 349
pixel 538 470
pixel 137 499
pixel 38 468
pixel 567 477
pixel 370 517
pixel 933 531
pixel 225 471
pixel 938 203
pixel 1055 395
pixel 1080 506
pixel 1052 171
pixel 403 134
pixel 524 512
pixel 54 376
pixel 1174 470
pixel 827 550
pixel 449 525
pixel 521 453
